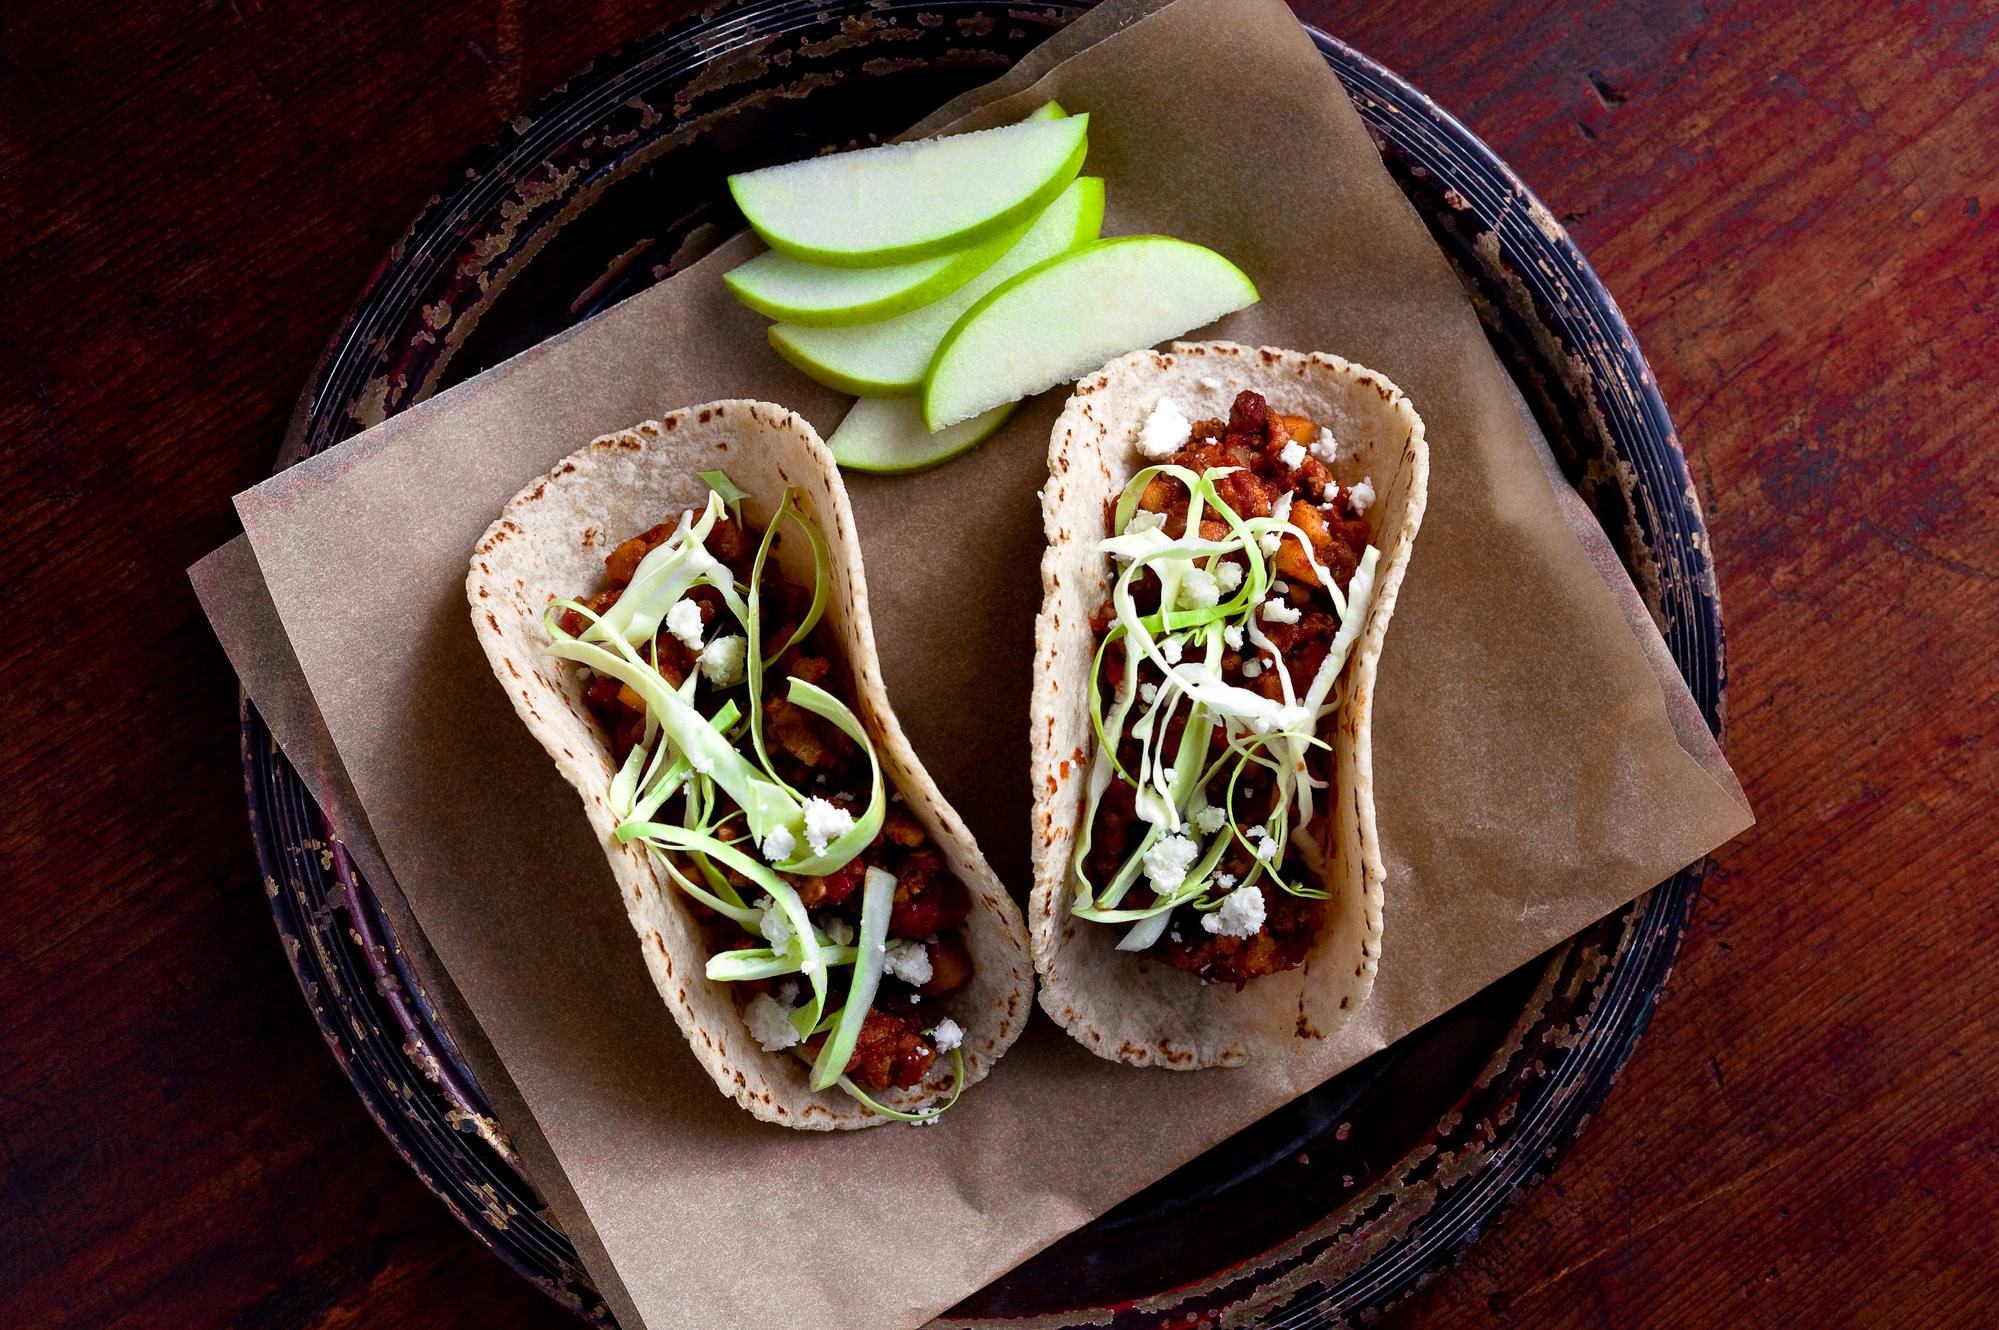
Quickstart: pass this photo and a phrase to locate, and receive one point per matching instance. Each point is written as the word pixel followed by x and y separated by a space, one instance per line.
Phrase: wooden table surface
pixel 1797 212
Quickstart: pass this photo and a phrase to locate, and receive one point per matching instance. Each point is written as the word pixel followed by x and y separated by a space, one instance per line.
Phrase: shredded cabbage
pixel 1181 793
pixel 702 757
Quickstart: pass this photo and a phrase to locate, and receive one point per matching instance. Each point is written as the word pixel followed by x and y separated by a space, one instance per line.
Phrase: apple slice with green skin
pixel 1064 317
pixel 906 201
pixel 890 358
pixel 885 435
pixel 813 295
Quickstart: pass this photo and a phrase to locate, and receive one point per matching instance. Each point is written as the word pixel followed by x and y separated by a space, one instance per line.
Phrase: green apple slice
pixel 813 295
pixel 907 201
pixel 889 359
pixel 885 435
pixel 1070 314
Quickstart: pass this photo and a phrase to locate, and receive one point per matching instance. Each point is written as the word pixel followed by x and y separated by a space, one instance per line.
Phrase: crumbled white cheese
pixel 774 926
pixel 1280 508
pixel 1362 494
pixel 787 993
pixel 704 765
pixel 1233 636
pixel 770 1024
pixel 1292 454
pixel 723 660
pixel 1148 693
pixel 1199 590
pixel 1144 520
pixel 909 962
pixel 1261 843
pixel 1211 383
pixel 1240 915
pixel 825 821
pixel 1229 575
pixel 1210 819
pixel 584 674
pixel 1251 668
pixel 1226 881
pixel 946 1035
pixel 840 932
pixel 1172 648
pixel 1269 541
pixel 1277 611
pixel 1325 447
pixel 684 622
pixel 778 846
pixel 1165 431
pixel 1167 862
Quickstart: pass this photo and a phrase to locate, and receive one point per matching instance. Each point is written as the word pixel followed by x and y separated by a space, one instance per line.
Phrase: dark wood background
pixel 1797 213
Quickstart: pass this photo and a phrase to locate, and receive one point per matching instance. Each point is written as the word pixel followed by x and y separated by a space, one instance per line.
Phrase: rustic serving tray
pixel 1336 1206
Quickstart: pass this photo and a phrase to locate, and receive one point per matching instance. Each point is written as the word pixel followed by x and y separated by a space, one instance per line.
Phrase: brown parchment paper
pixel 1530 774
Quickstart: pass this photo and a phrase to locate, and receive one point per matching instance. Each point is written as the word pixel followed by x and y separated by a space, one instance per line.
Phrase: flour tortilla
pixel 550 542
pixel 1135 1008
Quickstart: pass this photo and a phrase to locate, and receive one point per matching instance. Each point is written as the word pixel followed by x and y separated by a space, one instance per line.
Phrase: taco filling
pixel 742 767
pixel 1242 571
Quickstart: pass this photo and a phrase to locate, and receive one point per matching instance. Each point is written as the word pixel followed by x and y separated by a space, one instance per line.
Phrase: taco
pixel 678 614
pixel 1207 875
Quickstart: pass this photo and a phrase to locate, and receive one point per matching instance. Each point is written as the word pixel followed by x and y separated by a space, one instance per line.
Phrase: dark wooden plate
pixel 1332 1208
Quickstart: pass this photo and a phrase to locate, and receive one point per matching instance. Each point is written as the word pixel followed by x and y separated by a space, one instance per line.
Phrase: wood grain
pixel 1796 211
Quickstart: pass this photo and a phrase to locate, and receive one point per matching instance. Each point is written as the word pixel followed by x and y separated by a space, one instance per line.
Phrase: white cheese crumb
pixel 1261 843
pixel 1167 862
pixel 1292 454
pixel 1199 590
pixel 704 765
pixel 1278 612
pixel 723 660
pixel 774 926
pixel 1226 881
pixel 778 846
pixel 770 1024
pixel 1172 649
pixel 840 932
pixel 1210 819
pixel 1211 383
pixel 1280 508
pixel 1148 693
pixel 1269 541
pixel 1362 494
pixel 825 821
pixel 1241 914
pixel 684 622
pixel 1144 520
pixel 1325 447
pixel 909 962
pixel 1233 636
pixel 946 1035
pixel 1229 576
pixel 1251 668
pixel 1165 431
